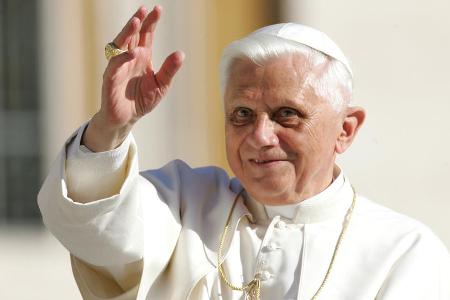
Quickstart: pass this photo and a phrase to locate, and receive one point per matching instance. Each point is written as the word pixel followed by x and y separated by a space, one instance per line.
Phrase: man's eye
pixel 241 116
pixel 287 117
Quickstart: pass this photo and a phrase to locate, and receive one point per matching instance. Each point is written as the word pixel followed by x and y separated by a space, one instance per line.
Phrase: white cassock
pixel 155 235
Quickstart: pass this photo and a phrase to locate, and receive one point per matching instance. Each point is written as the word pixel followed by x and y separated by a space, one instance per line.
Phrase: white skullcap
pixel 307 36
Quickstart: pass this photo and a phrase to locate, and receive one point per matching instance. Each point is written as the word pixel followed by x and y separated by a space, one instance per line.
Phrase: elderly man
pixel 290 226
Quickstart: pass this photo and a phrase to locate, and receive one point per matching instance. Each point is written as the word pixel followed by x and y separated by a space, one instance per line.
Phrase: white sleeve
pixel 422 273
pixel 91 176
pixel 107 215
pixel 109 230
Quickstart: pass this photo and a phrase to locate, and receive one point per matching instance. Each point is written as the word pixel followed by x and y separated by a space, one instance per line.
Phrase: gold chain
pixel 252 289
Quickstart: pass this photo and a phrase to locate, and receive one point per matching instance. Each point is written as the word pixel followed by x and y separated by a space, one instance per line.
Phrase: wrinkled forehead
pixel 285 76
pixel 274 81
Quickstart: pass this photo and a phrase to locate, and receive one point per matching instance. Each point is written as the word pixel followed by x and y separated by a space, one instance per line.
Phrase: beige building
pixel 399 54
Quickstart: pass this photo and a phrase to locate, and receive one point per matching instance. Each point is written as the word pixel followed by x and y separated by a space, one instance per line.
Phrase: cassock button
pixel 272 246
pixel 281 225
pixel 264 275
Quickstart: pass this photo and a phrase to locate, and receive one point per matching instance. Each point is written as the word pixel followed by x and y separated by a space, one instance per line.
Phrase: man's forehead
pixel 272 69
pixel 288 72
pixel 283 88
pixel 299 59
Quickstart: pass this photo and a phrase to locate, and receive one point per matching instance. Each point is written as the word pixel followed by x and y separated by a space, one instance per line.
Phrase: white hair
pixel 333 82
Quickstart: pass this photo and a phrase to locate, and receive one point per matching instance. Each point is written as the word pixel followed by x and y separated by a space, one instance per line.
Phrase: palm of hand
pixel 131 88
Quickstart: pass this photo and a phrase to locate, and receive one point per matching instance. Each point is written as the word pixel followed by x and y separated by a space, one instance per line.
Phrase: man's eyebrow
pixel 298 102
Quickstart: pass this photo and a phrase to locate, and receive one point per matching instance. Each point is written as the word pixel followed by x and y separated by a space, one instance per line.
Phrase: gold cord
pixel 252 289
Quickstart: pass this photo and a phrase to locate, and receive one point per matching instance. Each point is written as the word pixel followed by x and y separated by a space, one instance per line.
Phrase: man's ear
pixel 353 119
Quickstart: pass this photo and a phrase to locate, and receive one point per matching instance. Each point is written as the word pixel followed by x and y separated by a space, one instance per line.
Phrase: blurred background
pixel 51 65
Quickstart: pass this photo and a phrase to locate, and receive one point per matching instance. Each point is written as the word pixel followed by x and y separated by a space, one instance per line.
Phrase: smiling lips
pixel 266 161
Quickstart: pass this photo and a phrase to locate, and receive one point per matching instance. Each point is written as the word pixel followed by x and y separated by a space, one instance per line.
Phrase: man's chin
pixel 267 191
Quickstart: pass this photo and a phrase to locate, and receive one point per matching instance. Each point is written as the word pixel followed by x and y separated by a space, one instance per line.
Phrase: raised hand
pixel 131 87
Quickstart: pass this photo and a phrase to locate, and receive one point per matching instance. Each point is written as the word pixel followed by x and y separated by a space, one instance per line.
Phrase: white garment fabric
pixel 96 205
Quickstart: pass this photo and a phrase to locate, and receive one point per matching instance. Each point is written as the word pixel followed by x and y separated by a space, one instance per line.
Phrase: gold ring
pixel 112 50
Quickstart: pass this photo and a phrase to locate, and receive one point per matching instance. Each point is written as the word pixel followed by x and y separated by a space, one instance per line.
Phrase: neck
pixel 313 187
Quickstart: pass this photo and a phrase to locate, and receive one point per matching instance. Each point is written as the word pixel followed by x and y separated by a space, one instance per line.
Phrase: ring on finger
pixel 112 50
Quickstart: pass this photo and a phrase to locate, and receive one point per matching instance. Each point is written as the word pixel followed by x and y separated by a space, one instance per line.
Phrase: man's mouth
pixel 263 161
pixel 266 161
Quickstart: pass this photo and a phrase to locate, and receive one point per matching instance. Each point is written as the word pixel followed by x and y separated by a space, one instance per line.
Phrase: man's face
pixel 280 136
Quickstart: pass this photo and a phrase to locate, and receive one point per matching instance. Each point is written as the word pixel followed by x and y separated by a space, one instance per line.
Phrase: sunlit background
pixel 50 76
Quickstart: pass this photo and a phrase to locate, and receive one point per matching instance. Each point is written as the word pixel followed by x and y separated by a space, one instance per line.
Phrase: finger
pixel 168 69
pixel 131 28
pixel 148 27
pixel 140 13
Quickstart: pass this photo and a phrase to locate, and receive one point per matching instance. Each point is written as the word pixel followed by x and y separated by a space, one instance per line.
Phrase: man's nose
pixel 263 134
